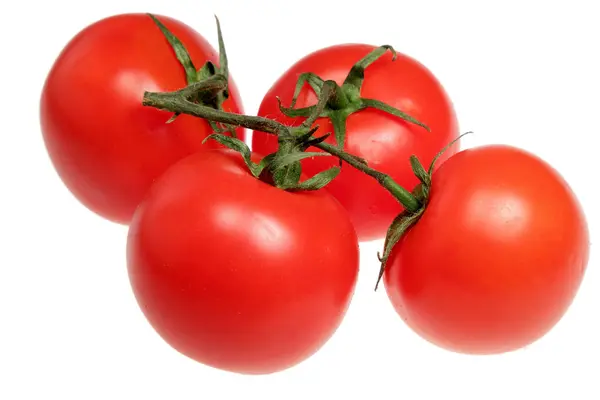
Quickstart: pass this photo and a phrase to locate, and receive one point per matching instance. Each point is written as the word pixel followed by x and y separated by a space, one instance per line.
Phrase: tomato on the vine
pixel 497 256
pixel 105 145
pixel 236 273
pixel 385 141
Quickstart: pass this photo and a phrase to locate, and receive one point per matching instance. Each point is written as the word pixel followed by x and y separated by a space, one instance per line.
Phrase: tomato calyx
pixel 406 219
pixel 346 99
pixel 217 94
pixel 282 168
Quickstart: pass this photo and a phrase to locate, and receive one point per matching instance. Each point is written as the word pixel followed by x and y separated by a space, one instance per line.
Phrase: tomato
pixel 105 145
pixel 238 274
pixel 497 256
pixel 381 139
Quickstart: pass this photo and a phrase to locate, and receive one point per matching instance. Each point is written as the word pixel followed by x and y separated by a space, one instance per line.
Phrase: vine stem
pixel 179 101
pixel 409 201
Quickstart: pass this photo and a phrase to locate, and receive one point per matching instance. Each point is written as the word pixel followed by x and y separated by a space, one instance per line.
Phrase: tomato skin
pixel 386 142
pixel 106 147
pixel 235 273
pixel 497 257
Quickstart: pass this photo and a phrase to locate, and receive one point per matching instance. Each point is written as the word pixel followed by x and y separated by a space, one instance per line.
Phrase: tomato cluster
pixel 244 256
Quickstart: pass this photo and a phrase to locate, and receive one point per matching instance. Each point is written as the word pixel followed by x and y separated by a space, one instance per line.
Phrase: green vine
pixel 291 140
pixel 282 168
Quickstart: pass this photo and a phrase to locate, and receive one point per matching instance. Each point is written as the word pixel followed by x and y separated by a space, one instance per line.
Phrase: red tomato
pixel 235 273
pixel 496 258
pixel 385 141
pixel 107 147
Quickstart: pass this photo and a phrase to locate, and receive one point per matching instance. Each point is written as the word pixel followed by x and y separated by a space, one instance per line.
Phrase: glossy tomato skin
pixel 237 274
pixel 106 147
pixel 497 257
pixel 386 142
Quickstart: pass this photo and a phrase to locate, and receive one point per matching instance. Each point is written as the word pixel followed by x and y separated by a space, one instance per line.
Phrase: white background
pixel 520 72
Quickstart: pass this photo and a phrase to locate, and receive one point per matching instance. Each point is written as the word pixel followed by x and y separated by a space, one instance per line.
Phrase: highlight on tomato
pixel 387 106
pixel 106 147
pixel 242 264
pixel 494 257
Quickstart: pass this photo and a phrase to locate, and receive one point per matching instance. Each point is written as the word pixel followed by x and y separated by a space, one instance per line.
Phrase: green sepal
pixel 288 159
pixel 208 69
pixel 317 181
pixel 313 80
pixel 354 80
pixel 213 100
pixel 439 154
pixel 223 63
pixel 295 112
pixel 397 229
pixel 314 141
pixel 419 170
pixel 286 169
pixel 338 120
pixel 381 106
pixel 282 177
pixel 180 51
pixel 303 138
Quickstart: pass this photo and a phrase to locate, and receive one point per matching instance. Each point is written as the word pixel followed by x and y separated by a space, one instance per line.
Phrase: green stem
pixel 409 201
pixel 178 102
